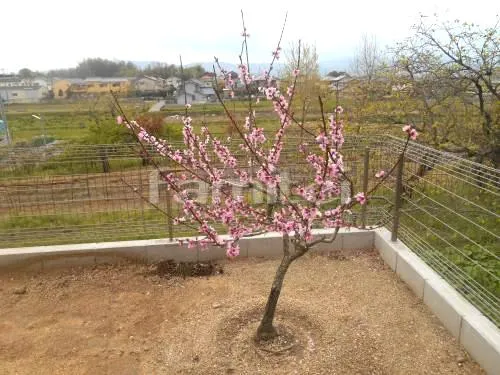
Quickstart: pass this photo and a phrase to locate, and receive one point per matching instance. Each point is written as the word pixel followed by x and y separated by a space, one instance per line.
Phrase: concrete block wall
pixel 479 336
pixel 267 245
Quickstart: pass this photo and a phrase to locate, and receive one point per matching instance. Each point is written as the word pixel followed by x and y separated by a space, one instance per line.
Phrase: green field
pixel 75 121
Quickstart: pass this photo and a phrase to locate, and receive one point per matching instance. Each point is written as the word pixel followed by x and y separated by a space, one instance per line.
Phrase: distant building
pixel 263 81
pixel 196 92
pixel 337 83
pixel 14 89
pixel 150 84
pixel 207 77
pixel 92 86
pixel 97 85
pixel 173 81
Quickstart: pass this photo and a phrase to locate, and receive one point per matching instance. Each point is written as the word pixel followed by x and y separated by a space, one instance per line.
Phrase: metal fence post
pixel 397 198
pixel 170 221
pixel 365 185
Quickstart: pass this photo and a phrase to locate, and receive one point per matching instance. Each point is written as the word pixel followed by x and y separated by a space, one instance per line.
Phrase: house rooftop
pixel 336 79
pixel 102 79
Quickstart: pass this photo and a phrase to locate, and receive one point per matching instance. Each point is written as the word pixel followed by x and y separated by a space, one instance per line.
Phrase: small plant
pixel 42 140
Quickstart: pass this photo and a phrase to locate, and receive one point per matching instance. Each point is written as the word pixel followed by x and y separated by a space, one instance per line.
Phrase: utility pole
pixel 3 118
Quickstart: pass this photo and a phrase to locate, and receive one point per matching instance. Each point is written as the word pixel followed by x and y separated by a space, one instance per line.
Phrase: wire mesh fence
pixel 450 211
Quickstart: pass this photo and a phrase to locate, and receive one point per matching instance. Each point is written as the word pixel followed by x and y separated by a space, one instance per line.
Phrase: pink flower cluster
pixel 228 81
pixel 337 129
pixel 361 198
pixel 244 74
pixel 410 130
pixel 256 137
pixel 233 249
pixel 276 53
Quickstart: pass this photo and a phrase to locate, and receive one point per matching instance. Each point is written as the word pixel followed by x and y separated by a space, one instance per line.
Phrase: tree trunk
pixel 266 330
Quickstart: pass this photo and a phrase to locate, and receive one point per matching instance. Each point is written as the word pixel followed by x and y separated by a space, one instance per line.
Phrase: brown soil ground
pixel 338 316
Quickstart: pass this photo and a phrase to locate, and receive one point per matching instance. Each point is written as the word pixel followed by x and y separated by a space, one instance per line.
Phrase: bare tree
pixel 368 57
pixel 308 84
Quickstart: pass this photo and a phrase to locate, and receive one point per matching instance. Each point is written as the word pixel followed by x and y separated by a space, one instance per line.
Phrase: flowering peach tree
pixel 209 159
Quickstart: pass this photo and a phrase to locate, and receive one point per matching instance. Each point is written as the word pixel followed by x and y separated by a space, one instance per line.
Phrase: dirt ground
pixel 338 316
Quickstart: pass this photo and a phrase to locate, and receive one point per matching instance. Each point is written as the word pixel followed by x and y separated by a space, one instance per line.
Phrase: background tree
pixel 162 70
pixel 97 67
pixel 104 131
pixel 195 71
pixel 26 73
pixel 450 68
pixel 368 58
pixel 369 85
pixel 308 85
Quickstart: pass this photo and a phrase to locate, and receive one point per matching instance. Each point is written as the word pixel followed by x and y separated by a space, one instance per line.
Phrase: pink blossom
pixel 296 72
pixel 380 174
pixel 233 249
pixel 188 105
pixel 413 134
pixel 322 140
pixel 276 53
pixel 119 120
pixel 244 74
pixel 410 130
pixel 361 198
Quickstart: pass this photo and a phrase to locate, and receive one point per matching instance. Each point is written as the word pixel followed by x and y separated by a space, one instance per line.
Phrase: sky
pixel 49 34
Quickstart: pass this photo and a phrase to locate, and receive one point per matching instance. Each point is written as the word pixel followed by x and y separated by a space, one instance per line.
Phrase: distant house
pixel 14 89
pixel 173 81
pixel 92 86
pixel 98 85
pixel 207 77
pixel 262 81
pixel 61 87
pixel 196 92
pixel 337 83
pixel 150 84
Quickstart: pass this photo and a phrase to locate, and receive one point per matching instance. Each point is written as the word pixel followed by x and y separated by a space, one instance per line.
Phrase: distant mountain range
pixel 339 64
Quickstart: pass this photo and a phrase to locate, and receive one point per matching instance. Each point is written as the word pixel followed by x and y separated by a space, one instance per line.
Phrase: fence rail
pixel 449 210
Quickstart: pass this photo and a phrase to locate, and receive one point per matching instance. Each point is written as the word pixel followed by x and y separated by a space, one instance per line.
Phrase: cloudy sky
pixel 49 34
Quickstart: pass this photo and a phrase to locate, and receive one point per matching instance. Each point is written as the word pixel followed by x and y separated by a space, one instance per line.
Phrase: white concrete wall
pixel 479 336
pixel 266 245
